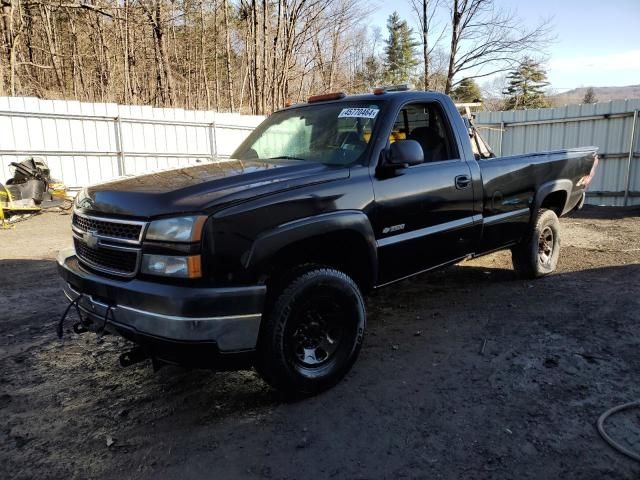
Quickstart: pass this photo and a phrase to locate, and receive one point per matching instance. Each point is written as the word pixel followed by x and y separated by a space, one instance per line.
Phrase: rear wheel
pixel 313 333
pixel 538 254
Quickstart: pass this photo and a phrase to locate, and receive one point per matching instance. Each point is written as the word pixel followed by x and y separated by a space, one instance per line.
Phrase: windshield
pixel 330 133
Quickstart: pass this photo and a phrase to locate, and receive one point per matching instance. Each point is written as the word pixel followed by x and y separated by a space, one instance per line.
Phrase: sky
pixel 597 42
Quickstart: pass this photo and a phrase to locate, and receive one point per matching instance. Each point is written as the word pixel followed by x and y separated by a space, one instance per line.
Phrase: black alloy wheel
pixel 312 334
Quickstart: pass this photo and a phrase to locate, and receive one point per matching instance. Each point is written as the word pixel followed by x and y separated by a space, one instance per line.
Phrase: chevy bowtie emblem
pixel 90 238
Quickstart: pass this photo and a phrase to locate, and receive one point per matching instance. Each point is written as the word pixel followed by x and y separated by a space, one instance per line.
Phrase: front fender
pixel 272 241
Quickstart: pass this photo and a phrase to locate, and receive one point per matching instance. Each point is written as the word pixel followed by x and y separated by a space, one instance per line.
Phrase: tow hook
pixel 132 357
pixel 79 328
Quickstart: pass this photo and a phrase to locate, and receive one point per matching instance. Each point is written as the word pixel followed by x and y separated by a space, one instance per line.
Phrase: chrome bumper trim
pixel 237 332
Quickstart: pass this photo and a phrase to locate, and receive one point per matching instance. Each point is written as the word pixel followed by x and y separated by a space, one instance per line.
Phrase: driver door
pixel 424 213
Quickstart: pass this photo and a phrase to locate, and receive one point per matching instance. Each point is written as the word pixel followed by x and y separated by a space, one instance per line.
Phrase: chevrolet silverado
pixel 263 260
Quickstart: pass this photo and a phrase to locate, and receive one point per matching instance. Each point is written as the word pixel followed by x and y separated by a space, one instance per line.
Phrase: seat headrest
pixel 425 132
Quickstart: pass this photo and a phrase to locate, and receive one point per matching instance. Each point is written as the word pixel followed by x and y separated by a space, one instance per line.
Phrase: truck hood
pixel 202 188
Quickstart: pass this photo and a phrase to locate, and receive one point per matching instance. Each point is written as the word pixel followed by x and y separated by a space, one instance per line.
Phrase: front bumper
pixel 157 313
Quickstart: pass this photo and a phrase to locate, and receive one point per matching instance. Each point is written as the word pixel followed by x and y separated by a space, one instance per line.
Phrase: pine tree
pixel 467 91
pixel 370 75
pixel 590 96
pixel 526 84
pixel 399 53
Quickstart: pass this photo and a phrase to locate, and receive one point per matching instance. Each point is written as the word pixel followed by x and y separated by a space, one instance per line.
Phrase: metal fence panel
pixel 607 125
pixel 87 143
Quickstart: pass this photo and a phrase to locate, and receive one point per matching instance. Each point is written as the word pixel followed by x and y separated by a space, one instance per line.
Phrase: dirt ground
pixel 465 373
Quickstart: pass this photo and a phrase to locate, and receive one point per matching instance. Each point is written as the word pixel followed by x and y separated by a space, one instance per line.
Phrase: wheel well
pixel 345 251
pixel 555 201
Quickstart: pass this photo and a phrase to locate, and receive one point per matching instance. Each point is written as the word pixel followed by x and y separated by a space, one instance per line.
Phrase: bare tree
pixel 426 10
pixel 486 40
pixel 274 55
pixel 12 29
pixel 203 56
pixel 157 15
pixel 590 96
pixel 234 55
pixel 228 53
pixel 215 55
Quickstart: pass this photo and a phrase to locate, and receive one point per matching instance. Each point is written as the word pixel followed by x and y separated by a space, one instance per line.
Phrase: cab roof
pixel 388 96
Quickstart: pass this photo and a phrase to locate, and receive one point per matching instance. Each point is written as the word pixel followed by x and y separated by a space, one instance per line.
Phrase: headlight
pixel 172 266
pixel 82 199
pixel 179 229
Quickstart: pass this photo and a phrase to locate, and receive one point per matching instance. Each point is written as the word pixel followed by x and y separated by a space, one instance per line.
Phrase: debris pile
pixel 29 191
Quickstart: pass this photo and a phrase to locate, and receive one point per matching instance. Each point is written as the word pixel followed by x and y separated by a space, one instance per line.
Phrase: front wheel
pixel 538 254
pixel 313 333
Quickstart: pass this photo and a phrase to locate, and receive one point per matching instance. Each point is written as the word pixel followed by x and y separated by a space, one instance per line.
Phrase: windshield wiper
pixel 283 157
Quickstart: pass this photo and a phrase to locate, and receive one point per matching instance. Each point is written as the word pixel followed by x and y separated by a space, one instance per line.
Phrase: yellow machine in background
pixel 29 191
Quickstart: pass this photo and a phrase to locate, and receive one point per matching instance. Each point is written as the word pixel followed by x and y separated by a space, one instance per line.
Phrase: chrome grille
pixel 117 262
pixel 108 245
pixel 108 228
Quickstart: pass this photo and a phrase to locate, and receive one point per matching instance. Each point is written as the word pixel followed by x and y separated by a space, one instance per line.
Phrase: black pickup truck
pixel 263 260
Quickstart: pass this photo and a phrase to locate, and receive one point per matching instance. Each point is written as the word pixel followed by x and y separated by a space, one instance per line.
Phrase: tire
pixel 538 253
pixel 312 334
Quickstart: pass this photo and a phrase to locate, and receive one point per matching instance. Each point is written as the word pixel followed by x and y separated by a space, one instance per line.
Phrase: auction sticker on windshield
pixel 358 113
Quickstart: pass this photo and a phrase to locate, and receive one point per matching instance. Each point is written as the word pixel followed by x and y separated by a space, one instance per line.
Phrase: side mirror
pixel 405 153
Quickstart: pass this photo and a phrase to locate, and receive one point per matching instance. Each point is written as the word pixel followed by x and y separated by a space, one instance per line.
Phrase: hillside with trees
pixel 601 94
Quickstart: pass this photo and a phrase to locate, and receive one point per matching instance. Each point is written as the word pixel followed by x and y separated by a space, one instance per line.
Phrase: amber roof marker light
pixel 326 97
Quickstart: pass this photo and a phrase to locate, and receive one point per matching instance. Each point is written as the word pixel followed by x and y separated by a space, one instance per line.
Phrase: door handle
pixel 463 181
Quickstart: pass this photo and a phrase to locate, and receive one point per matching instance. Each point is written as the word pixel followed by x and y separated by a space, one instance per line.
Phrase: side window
pixel 426 124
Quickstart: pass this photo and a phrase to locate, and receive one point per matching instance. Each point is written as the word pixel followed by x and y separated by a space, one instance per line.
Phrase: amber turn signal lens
pixel 194 266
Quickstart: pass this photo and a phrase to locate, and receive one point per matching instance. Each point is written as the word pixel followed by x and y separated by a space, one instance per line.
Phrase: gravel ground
pixel 467 372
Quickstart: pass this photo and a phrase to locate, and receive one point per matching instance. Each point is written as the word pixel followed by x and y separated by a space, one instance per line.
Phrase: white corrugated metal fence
pixel 613 127
pixel 86 143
